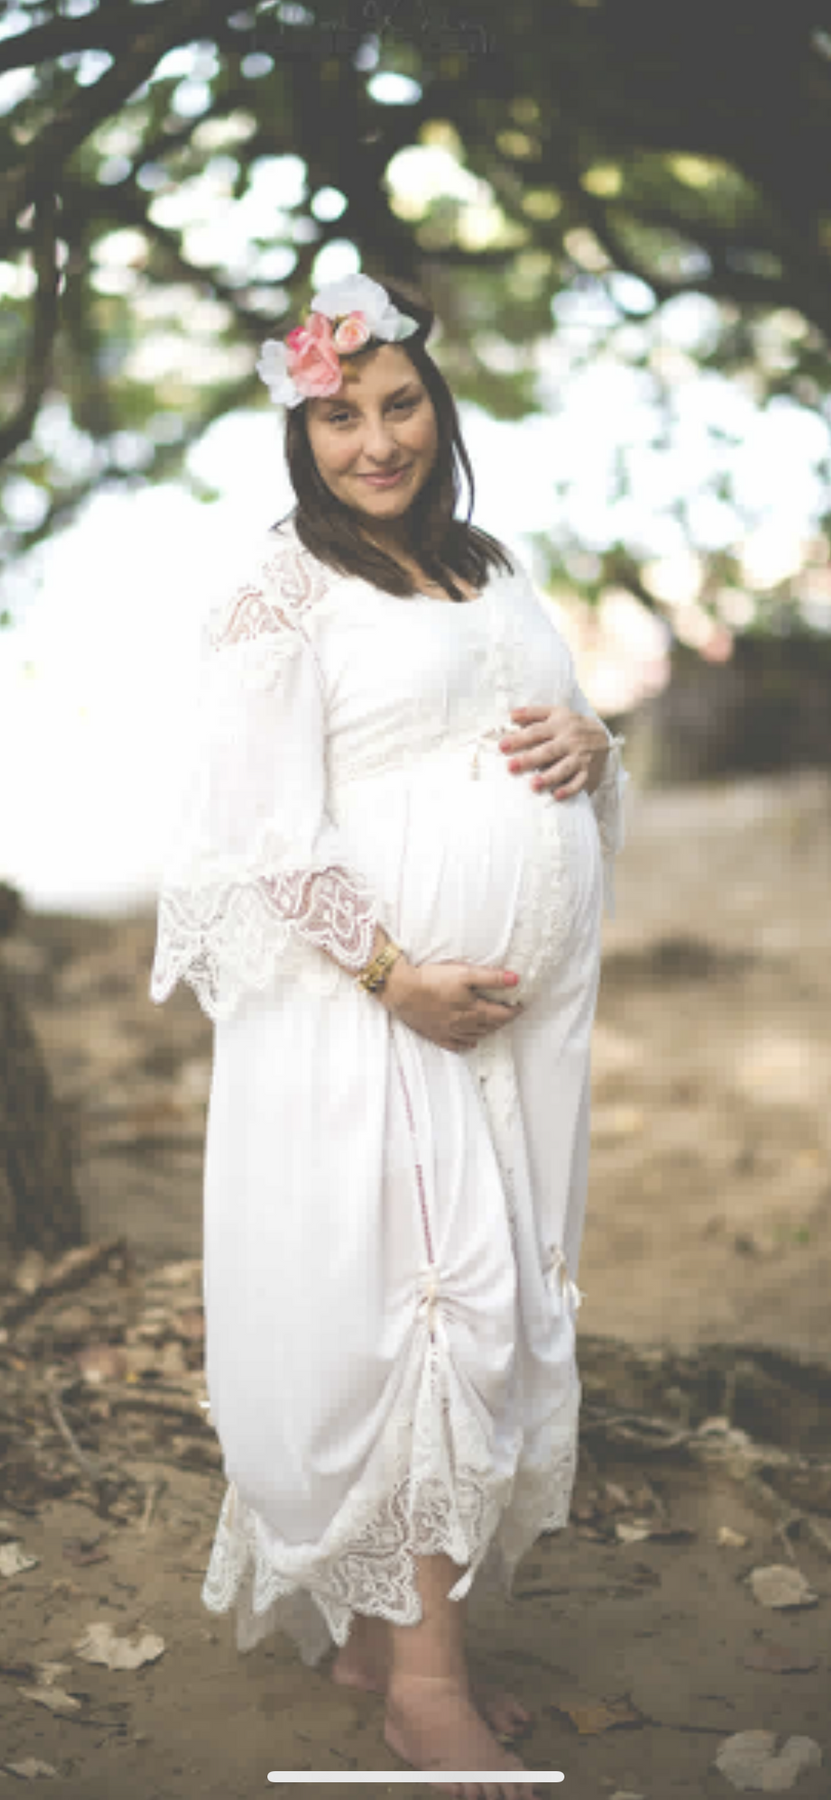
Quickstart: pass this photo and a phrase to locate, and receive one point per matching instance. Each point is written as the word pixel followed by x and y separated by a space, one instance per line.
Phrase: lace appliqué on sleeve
pixel 229 938
pixel 255 881
pixel 330 909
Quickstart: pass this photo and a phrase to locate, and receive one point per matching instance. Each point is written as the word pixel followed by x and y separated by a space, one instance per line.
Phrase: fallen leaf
pixel 593 1716
pixel 779 1584
pixel 99 1644
pixel 13 1559
pixel 177 1274
pixel 749 1761
pixel 101 1362
pixel 29 1272
pixel 779 1660
pixel 635 1530
pixel 30 1768
pixel 615 1497
pixel 55 1698
pixel 729 1539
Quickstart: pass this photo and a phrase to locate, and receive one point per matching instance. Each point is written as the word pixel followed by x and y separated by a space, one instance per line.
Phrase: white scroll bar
pixel 286 1776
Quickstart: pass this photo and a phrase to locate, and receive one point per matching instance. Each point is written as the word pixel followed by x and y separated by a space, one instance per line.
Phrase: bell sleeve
pixel 607 799
pixel 257 869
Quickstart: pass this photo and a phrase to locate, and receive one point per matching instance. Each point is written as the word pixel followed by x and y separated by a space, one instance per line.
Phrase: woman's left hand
pixel 565 750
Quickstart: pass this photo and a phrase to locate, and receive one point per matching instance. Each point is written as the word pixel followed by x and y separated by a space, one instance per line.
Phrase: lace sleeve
pixel 257 865
pixel 607 799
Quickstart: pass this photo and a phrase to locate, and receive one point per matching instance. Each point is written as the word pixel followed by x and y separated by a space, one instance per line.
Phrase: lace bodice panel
pixel 446 675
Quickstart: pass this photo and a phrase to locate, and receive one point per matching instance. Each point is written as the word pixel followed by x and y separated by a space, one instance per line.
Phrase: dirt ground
pixel 636 1634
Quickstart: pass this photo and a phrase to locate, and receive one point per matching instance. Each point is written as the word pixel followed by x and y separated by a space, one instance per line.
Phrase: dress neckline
pixel 431 599
pixel 442 599
pixel 439 599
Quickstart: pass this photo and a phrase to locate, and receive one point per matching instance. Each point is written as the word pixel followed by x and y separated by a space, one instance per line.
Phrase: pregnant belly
pixel 487 871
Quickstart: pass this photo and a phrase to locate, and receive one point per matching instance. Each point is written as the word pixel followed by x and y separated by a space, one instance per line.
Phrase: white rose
pixel 358 293
pixel 273 370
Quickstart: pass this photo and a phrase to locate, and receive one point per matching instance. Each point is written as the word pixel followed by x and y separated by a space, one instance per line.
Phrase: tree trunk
pixel 39 1204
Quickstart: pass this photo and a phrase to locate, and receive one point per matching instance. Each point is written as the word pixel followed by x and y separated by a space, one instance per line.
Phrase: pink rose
pixel 312 359
pixel 352 333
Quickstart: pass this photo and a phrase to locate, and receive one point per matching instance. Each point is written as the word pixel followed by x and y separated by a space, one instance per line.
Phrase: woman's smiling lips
pixel 386 480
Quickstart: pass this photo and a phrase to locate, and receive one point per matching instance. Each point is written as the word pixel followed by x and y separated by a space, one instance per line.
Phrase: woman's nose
pixel 379 440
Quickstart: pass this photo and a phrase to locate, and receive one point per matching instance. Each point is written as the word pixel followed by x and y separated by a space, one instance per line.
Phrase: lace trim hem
pixel 474 1515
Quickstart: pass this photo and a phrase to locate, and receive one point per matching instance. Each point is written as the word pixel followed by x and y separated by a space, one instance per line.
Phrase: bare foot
pixel 364 1663
pixel 431 1723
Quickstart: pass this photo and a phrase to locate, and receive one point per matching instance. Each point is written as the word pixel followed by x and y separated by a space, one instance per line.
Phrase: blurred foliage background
pixel 625 188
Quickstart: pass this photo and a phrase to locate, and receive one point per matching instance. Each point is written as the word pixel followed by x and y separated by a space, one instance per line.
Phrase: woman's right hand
pixel 440 1001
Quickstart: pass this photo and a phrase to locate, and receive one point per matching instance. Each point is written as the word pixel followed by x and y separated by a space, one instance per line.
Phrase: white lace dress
pixel 391 1230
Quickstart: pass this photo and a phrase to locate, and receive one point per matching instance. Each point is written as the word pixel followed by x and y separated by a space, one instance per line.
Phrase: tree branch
pixel 60 36
pixel 167 26
pixel 38 364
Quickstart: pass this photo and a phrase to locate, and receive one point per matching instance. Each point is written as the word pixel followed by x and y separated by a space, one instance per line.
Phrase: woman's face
pixel 382 421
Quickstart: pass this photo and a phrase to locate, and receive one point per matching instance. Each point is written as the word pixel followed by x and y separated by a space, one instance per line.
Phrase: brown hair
pixel 447 547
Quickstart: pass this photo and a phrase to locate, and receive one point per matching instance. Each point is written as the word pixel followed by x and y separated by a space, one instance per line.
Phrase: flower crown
pixel 343 317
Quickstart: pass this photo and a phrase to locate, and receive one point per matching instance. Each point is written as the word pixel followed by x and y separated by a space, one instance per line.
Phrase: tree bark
pixel 39 1204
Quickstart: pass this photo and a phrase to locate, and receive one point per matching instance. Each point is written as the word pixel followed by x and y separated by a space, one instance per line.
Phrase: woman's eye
pixel 398 406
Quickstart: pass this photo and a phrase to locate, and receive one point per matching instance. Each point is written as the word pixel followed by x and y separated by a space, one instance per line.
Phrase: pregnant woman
pixel 396 931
